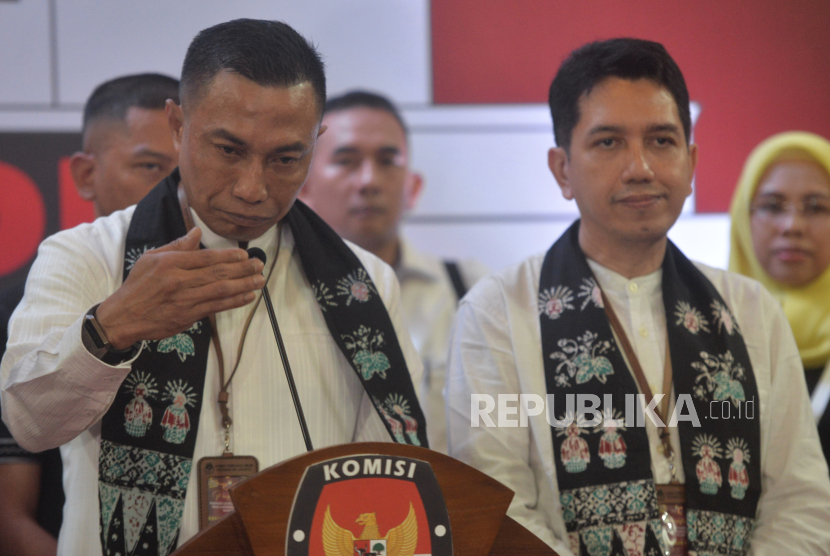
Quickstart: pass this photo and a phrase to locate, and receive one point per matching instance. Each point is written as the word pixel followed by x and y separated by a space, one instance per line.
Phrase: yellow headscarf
pixel 807 307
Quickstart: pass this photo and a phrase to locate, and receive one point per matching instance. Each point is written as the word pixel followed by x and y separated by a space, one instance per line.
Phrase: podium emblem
pixel 369 505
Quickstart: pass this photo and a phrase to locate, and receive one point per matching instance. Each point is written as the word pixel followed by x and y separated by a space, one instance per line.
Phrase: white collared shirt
pixel 55 392
pixel 496 349
pixel 428 305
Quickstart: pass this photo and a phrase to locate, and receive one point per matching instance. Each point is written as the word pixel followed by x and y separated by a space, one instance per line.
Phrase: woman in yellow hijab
pixel 781 237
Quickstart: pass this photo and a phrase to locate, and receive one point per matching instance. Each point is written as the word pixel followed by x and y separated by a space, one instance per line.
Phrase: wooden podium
pixel 476 505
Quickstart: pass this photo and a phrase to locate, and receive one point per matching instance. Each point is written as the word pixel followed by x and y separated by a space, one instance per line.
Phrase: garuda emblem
pixel 399 541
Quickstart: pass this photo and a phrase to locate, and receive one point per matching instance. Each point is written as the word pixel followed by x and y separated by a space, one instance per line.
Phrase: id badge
pixel 216 476
pixel 671 503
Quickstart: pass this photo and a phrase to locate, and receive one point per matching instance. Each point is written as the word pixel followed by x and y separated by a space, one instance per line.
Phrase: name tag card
pixel 216 476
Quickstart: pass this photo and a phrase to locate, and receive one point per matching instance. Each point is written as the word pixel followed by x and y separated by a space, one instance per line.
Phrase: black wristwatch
pixel 96 342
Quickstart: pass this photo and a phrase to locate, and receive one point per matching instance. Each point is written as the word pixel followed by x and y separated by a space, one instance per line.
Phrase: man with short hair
pixel 731 463
pixel 360 183
pixel 118 351
pixel 127 149
pixel 127 144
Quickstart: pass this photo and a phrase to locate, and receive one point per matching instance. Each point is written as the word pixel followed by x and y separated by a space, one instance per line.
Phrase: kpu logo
pixel 369 505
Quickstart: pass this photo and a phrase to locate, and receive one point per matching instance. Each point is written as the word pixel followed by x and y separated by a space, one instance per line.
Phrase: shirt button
pixel 633 287
pixel 643 332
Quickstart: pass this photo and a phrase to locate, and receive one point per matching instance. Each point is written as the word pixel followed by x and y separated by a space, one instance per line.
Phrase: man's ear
pixel 560 168
pixel 175 119
pixel 412 189
pixel 693 161
pixel 82 167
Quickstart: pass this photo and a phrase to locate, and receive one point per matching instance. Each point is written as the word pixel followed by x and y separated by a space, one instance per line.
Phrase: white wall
pixel 489 194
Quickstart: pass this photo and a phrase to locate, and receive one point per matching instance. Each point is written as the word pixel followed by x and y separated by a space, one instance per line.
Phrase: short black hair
pixel 626 58
pixel 269 53
pixel 111 100
pixel 365 99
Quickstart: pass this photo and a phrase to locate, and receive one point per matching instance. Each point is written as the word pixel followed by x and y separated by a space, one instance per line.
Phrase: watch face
pixel 94 333
pixel 88 337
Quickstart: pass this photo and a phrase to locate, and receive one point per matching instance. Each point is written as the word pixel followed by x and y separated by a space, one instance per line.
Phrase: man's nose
pixel 251 186
pixel 638 168
pixel 368 176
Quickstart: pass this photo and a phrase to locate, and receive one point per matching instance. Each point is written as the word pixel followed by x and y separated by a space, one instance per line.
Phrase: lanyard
pixel 214 332
pixel 662 409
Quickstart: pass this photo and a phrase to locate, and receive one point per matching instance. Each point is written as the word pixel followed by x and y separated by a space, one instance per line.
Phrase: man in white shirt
pixel 115 352
pixel 127 149
pixel 614 310
pixel 360 183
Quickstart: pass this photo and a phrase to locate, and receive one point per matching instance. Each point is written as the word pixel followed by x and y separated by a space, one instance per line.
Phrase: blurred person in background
pixel 127 149
pixel 361 184
pixel 781 237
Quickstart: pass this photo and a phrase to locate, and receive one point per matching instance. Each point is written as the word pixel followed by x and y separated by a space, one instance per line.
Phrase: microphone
pixel 257 253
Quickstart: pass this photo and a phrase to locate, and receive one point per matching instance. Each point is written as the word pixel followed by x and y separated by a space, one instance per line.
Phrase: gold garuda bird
pixel 400 540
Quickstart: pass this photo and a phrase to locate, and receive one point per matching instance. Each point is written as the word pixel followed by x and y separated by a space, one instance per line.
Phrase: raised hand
pixel 172 287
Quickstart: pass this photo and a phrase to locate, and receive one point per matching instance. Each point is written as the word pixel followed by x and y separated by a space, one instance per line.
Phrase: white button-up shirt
pixel 497 349
pixel 55 392
pixel 428 305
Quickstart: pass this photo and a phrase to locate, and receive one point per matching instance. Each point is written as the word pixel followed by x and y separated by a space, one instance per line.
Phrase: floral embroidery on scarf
pixel 138 415
pixel 738 450
pixel 554 301
pixel 176 420
pixel 356 286
pixel 182 342
pixel 134 254
pixel 692 319
pixel 612 447
pixel 724 319
pixel 395 425
pixel 364 342
pixel 398 405
pixel 720 377
pixel 582 359
pixel 707 448
pixel 591 292
pixel 323 294
pixel 574 451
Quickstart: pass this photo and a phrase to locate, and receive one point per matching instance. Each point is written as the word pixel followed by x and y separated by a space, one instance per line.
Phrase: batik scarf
pixel 606 486
pixel 148 436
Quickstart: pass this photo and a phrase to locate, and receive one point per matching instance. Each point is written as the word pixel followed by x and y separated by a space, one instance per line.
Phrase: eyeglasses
pixel 811 209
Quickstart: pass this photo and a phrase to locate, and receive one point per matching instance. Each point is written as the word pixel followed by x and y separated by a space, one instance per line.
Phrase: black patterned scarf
pixel 603 470
pixel 148 436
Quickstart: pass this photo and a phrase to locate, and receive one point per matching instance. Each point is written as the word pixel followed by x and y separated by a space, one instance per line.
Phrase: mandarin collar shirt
pixel 496 349
pixel 54 392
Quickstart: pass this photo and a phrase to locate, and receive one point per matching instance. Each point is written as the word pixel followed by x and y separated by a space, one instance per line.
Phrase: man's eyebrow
pixel 299 146
pixel 228 136
pixel 657 128
pixel 345 149
pixel 148 153
pixel 605 129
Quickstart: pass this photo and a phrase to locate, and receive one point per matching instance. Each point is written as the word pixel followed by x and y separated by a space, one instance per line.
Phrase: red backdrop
pixel 756 67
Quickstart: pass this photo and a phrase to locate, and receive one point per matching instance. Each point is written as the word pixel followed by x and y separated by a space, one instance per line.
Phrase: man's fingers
pixel 188 242
pixel 202 258
pixel 190 298
pixel 227 303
